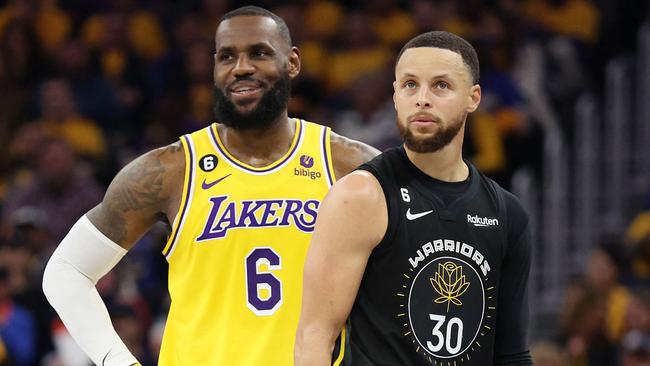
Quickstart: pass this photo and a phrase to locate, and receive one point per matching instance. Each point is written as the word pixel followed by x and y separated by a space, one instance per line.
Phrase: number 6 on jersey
pixel 263 289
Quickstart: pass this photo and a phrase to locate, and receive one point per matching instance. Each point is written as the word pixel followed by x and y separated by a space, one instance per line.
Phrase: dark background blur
pixel 86 86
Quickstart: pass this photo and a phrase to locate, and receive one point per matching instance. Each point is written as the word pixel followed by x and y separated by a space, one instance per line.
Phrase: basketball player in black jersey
pixel 425 257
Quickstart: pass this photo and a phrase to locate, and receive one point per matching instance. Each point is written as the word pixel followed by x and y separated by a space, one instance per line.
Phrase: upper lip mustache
pixel 422 117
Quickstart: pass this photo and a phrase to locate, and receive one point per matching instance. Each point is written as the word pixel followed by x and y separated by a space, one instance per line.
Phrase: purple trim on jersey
pixel 330 179
pixel 187 196
pixel 240 165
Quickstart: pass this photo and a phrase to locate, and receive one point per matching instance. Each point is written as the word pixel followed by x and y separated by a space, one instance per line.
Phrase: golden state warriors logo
pixel 450 283
pixel 446 307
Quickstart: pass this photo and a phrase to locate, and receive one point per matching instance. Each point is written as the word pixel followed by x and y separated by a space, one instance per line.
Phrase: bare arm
pixel 141 193
pixel 343 239
pixel 349 154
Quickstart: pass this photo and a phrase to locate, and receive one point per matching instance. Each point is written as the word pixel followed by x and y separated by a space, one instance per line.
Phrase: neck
pixel 445 164
pixel 259 146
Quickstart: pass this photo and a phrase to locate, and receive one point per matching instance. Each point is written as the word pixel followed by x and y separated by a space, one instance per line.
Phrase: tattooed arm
pixel 143 191
pixel 140 194
pixel 347 154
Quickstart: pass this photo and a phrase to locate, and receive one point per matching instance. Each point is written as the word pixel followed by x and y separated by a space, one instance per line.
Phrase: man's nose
pixel 423 98
pixel 243 66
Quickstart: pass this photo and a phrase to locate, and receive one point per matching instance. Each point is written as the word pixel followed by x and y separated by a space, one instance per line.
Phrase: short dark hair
pixel 251 10
pixel 449 41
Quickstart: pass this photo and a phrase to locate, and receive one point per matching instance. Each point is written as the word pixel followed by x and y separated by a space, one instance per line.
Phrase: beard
pixel 431 143
pixel 269 107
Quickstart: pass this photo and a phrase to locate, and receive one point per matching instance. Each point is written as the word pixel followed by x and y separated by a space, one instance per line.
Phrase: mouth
pixel 243 91
pixel 422 119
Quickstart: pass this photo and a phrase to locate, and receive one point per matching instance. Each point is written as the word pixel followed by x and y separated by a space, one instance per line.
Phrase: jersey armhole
pixel 181 214
pixel 326 152
pixel 502 208
pixel 393 217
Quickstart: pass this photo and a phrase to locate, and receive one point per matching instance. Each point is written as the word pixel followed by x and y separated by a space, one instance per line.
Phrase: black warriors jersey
pixel 447 284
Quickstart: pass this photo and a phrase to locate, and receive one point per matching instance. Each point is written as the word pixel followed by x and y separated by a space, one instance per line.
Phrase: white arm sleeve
pixel 82 258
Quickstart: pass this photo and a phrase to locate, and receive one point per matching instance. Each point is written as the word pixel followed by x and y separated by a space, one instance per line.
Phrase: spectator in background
pixel 59 119
pixel 21 66
pixel 65 350
pixel 637 240
pixel 503 137
pixel 636 350
pixel 17 328
pixel 392 25
pixel 27 239
pixel 593 317
pixel 128 327
pixel 322 20
pixel 546 353
pixel 636 341
pixel 110 35
pixel 211 10
pixel 140 30
pixel 576 19
pixel 52 25
pixel 370 116
pixel 24 253
pixel 166 73
pixel 95 96
pixel 443 15
pixel 58 188
pixel 24 61
pixel 13 103
pixel 198 71
pixel 583 331
pixel 359 52
pixel 317 19
pixel 189 106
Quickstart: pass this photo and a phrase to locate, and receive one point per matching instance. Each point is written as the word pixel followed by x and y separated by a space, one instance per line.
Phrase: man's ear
pixel 394 91
pixel 294 62
pixel 474 98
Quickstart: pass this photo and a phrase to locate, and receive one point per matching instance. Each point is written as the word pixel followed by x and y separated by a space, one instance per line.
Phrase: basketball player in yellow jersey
pixel 241 196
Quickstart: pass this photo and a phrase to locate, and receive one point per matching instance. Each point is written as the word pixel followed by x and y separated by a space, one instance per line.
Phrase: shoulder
pixel 359 186
pixel 348 154
pixel 171 156
pixel 348 205
pixel 160 171
pixel 515 210
pixel 168 160
pixel 515 213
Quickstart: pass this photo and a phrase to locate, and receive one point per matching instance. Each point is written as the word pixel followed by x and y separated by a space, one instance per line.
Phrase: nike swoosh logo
pixel 412 216
pixel 205 185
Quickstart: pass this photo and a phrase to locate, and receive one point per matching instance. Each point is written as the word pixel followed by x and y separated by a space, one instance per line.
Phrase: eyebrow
pixel 410 75
pixel 253 46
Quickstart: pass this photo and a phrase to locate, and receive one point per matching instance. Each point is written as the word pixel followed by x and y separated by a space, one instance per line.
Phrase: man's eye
pixel 224 57
pixel 410 84
pixel 442 85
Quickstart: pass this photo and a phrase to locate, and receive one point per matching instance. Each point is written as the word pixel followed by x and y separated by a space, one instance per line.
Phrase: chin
pixel 246 108
pixel 422 136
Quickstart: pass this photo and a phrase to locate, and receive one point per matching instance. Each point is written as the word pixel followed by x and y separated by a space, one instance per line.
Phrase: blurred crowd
pixel 85 86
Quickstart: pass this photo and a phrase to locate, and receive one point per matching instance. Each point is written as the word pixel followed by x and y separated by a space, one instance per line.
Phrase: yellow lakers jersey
pixel 237 250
